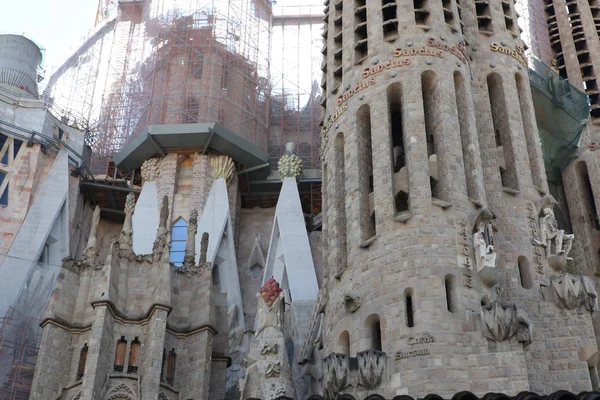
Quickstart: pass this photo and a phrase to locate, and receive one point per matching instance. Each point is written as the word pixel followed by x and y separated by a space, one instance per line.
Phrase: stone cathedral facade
pixel 441 266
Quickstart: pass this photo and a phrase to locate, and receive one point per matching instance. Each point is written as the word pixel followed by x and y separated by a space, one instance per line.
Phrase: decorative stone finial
pixel 222 167
pixel 290 165
pixel 160 247
pixel 125 242
pixel 150 170
pixel 190 245
pixel 203 248
pixel 91 250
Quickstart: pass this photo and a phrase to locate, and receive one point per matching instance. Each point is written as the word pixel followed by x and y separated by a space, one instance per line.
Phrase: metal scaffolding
pixel 247 64
pixel 19 340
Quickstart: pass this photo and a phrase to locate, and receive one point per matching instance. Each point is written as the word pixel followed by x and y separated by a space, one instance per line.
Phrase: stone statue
pixel 190 245
pixel 485 256
pixel 91 250
pixel 556 242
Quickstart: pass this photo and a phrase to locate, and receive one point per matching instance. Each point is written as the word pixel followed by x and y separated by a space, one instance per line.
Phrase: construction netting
pixel 561 111
pixel 20 331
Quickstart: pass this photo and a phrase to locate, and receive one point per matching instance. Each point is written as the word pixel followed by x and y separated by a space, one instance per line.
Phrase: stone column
pixel 153 354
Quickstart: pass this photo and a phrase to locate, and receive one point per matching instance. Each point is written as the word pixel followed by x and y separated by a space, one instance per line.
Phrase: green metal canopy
pixel 164 138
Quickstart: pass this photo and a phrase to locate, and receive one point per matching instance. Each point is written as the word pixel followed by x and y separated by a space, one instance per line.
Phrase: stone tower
pixel 444 268
pixel 565 35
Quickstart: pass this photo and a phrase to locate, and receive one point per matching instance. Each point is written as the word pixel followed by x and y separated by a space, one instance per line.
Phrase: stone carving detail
pixel 222 167
pixel 161 243
pixel 190 245
pixel 273 369
pixel 77 396
pixel 572 291
pixel 335 371
pixel 125 242
pixel 269 348
pixel 90 254
pixel 290 165
pixel 150 170
pixel 465 253
pixel 557 243
pixel 267 367
pixel 351 303
pixel 371 364
pixel 501 322
pixel 162 396
pixel 120 391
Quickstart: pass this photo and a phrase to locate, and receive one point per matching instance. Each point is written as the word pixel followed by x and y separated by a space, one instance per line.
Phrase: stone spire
pixel 91 250
pixel 161 243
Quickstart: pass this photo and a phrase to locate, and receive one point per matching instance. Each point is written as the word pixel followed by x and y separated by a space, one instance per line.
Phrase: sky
pixel 59 26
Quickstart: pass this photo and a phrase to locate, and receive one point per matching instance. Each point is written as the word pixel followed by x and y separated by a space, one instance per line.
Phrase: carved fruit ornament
pixel 270 291
pixel 290 166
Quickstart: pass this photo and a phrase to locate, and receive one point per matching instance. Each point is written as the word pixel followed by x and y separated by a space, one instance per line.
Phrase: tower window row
pixel 440 173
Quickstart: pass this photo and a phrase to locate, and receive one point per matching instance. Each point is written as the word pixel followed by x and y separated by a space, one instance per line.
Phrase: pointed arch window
pixel 178 236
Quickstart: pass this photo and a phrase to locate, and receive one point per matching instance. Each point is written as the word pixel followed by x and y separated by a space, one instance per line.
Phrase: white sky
pixel 59 26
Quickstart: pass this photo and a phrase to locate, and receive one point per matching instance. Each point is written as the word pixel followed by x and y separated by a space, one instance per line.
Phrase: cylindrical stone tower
pixel 434 184
pixel 19 62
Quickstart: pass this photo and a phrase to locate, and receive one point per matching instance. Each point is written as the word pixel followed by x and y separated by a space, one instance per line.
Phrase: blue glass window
pixel 4 197
pixel 178 236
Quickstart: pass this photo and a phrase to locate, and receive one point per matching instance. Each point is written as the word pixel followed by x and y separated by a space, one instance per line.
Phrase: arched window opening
pixel 365 165
pixel 134 355
pixel 484 16
pixel 163 365
pixel 338 45
pixel 587 194
pixel 361 45
pixel 82 361
pixel 421 12
pixel 525 272
pixel 344 343
pixel 178 237
pixel 373 326
pixel 191 111
pixel 398 153
pixel 506 156
pixel 196 64
pixel 409 308
pixel 339 204
pixel 451 293
pixel 390 19
pixel 120 354
pixel 171 362
pixel 528 118
pixel 433 125
pixel 466 124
